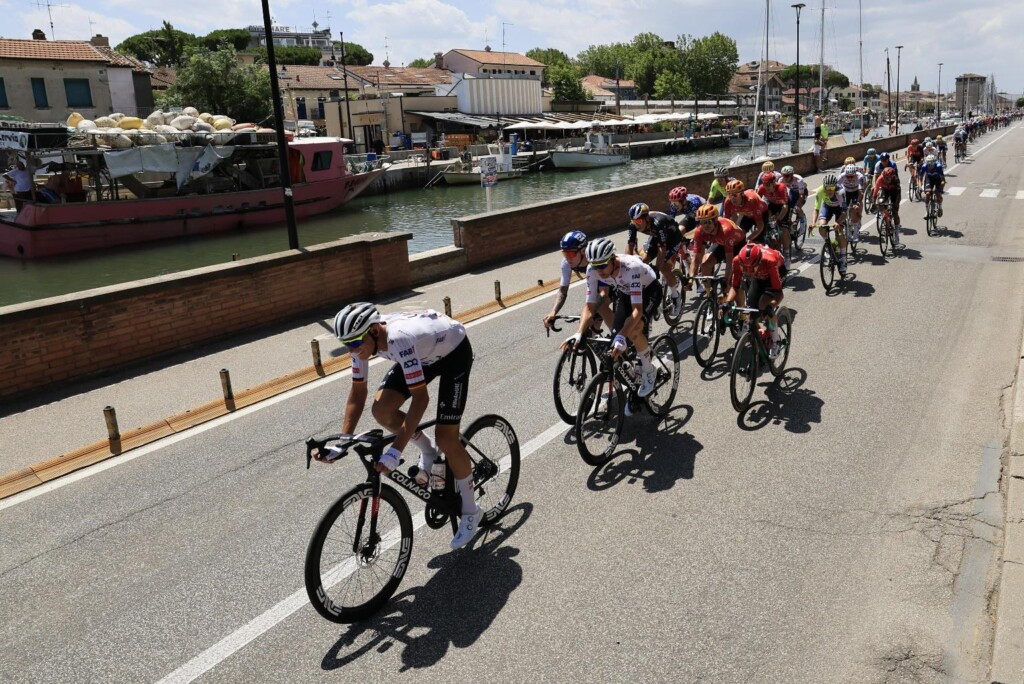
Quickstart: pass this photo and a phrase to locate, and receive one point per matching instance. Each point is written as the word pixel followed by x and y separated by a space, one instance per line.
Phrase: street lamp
pixel 899 52
pixel 938 92
pixel 796 140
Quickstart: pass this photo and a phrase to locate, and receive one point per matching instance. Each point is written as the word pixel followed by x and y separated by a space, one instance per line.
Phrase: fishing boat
pixel 465 173
pixel 597 151
pixel 143 194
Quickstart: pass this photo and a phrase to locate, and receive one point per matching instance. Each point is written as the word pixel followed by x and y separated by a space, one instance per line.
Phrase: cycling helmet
pixel 830 179
pixel 600 251
pixel 574 239
pixel 884 155
pixel 915 141
pixel 750 255
pixel 889 172
pixel 707 212
pixel 722 172
pixel 849 160
pixel 850 170
pixel 930 159
pixel 927 140
pixel 734 186
pixel 638 210
pixel 354 320
pixel 768 177
pixel 938 138
pixel 767 166
pixel 788 170
pixel 871 150
pixel 677 194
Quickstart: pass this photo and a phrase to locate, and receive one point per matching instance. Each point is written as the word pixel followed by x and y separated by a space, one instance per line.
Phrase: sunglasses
pixel 601 265
pixel 570 252
pixel 830 187
pixel 706 222
pixel 357 342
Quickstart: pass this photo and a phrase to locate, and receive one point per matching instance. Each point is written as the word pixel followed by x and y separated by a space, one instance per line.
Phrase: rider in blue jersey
pixel 934 178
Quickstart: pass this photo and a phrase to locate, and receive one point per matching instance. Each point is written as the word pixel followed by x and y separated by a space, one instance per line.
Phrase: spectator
pixel 378 146
pixel 817 123
pixel 818 150
pixel 21 179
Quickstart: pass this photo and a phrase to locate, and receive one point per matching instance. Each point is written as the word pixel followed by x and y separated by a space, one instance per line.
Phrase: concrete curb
pixel 1008 646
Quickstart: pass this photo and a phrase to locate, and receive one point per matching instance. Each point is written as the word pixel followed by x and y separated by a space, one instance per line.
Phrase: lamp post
pixel 938 94
pixel 282 144
pixel 796 140
pixel 899 52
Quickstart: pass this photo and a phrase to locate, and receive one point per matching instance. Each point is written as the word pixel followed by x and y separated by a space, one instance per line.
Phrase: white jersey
pixel 855 184
pixel 415 339
pixel 567 273
pixel 796 183
pixel 631 277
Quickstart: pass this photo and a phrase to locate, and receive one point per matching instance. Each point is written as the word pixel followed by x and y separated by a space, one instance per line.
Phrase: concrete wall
pixel 122 90
pixel 18 75
pixel 65 338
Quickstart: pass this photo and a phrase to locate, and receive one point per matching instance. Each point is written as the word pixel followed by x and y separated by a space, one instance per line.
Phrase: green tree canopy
pixel 1020 101
pixel 835 79
pixel 808 75
pixel 290 54
pixel 423 63
pixel 550 57
pixel 213 81
pixel 165 46
pixel 238 38
pixel 708 63
pixel 670 85
pixel 567 84
pixel 355 54
pixel 604 60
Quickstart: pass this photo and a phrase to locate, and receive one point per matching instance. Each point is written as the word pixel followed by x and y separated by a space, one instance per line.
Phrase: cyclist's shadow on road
pixel 661 455
pixel 788 403
pixel 454 608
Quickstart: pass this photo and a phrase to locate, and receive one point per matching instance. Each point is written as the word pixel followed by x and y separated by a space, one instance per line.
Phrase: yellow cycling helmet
pixel 767 166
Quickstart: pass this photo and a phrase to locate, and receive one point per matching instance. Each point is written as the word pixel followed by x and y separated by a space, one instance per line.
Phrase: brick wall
pixel 70 337
pixel 503 235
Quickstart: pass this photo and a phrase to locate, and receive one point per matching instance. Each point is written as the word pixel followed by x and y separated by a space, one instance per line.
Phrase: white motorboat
pixel 597 151
pixel 465 173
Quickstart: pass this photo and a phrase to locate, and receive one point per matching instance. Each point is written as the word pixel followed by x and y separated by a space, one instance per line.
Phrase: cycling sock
pixel 468 494
pixel 424 444
pixel 645 360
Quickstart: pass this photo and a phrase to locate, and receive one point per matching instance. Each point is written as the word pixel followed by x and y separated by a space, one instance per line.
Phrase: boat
pixel 465 173
pixel 164 191
pixel 597 151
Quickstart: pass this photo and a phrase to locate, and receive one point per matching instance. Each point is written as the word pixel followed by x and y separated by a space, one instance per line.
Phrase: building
pixel 46 80
pixel 489 62
pixel 743 87
pixel 285 36
pixel 601 88
pixel 970 89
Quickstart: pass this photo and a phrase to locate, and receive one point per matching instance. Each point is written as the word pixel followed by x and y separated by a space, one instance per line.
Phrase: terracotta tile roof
pixel 301 77
pixel 117 59
pixel 297 77
pixel 492 57
pixel 57 50
pixel 770 66
pixel 594 81
pixel 163 77
pixel 400 76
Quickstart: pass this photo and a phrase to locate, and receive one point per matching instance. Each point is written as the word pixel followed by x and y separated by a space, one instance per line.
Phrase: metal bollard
pixel 225 385
pixel 314 348
pixel 540 282
pixel 110 417
pixel 497 290
pixel 448 307
pixel 234 256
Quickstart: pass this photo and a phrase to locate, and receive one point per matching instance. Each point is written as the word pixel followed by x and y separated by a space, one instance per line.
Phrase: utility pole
pixel 344 77
pixel 796 141
pixel 888 87
pixel 821 62
pixel 938 94
pixel 899 52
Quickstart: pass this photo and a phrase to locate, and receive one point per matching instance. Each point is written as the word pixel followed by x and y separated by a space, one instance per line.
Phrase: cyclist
pixel 914 156
pixel 933 178
pixel 776 194
pixel 574 260
pixel 960 138
pixel 749 206
pixel 930 148
pixel 870 159
pixel 638 291
pixel 854 184
pixel 830 202
pixel 716 195
pixel 765 268
pixel 726 237
pixel 664 244
pixel 887 189
pixel 942 147
pixel 766 168
pixel 424 345
pixel 797 189
pixel 682 206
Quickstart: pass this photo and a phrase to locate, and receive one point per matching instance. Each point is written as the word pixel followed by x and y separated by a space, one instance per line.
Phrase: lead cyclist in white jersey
pixel 853 184
pixel 423 345
pixel 636 286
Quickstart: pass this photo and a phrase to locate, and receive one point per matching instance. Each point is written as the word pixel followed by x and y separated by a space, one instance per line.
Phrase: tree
pixel 566 83
pixel 423 63
pixel 808 75
pixel 708 64
pixel 165 46
pixel 290 54
pixel 355 54
pixel 212 81
pixel 834 79
pixel 239 39
pixel 670 85
pixel 845 104
pixel 549 57
pixel 605 60
pixel 1020 102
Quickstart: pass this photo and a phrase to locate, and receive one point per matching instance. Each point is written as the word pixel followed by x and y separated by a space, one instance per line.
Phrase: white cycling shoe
pixel 468 525
pixel 647 383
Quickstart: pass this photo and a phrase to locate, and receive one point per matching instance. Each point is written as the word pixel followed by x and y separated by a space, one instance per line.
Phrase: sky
pixel 962 35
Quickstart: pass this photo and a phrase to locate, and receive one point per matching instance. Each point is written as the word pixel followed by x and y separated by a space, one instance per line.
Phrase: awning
pixel 463 119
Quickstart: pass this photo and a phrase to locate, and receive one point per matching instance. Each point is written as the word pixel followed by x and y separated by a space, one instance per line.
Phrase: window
pixel 3 94
pixel 322 160
pixel 78 92
pixel 39 92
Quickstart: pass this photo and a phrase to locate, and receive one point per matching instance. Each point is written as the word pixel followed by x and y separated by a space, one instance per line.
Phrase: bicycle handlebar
pixel 567 319
pixel 368 445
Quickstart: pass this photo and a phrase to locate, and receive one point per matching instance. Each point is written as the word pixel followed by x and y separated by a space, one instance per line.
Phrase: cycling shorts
pixel 718 251
pixel 893 194
pixel 624 307
pixel 748 224
pixel 453 369
pixel 852 197
pixel 774 209
pixel 934 182
pixel 761 286
pixel 829 212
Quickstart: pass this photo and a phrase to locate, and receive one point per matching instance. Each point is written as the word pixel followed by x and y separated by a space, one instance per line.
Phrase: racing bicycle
pixel 753 353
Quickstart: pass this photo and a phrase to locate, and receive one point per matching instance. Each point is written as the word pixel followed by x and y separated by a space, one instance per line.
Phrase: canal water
pixel 426 214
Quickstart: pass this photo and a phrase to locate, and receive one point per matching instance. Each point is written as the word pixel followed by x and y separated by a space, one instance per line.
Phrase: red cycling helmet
pixel 889 172
pixel 768 178
pixel 750 256
pixel 677 194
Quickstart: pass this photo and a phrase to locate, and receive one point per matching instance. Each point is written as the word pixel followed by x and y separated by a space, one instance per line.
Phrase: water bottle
pixel 437 476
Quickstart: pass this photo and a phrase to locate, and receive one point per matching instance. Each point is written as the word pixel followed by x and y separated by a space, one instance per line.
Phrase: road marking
pixel 955 191
pixel 1020 194
pixel 990 192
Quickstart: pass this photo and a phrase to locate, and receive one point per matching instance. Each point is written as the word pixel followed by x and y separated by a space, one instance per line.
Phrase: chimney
pixel 38 35
pixel 100 40
pixel 438 60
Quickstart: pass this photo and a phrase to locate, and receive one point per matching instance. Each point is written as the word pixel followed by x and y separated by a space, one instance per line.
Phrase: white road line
pixel 234 642
pixel 990 192
pixel 955 191
pixel 1020 194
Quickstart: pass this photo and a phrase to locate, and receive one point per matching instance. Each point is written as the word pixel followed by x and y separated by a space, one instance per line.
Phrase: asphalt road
pixel 844 532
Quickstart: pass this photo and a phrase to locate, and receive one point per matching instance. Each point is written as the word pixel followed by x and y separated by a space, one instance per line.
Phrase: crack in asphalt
pixel 906 664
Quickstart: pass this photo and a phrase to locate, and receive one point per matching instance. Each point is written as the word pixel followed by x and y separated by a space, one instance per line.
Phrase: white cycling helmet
pixel 354 320
pixel 930 159
pixel 600 251
pixel 850 170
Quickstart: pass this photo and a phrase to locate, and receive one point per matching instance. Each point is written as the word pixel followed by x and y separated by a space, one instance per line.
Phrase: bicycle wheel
pixel 880 227
pixel 801 233
pixel 930 219
pixel 494 449
pixel 827 265
pixel 665 357
pixel 572 373
pixel 600 419
pixel 745 368
pixel 777 366
pixel 672 311
pixel 350 573
pixel 706 332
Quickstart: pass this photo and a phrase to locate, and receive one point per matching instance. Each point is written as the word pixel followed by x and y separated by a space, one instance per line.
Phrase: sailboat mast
pixel 757 97
pixel 821 62
pixel 767 18
pixel 860 84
